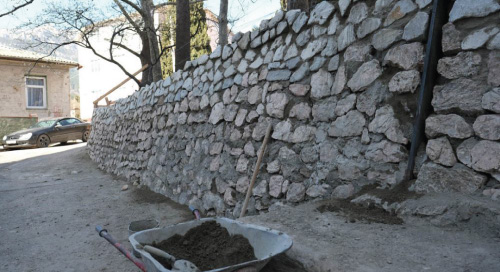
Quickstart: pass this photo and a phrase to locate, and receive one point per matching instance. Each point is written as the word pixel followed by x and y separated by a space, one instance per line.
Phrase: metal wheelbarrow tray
pixel 266 242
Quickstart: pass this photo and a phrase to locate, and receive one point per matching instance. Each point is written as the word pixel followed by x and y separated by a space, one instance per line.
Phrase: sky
pixel 248 13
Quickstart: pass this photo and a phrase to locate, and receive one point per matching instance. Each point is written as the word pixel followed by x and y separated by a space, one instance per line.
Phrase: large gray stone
pixel 434 178
pixel 282 131
pixel 275 185
pixel 460 95
pixel 343 191
pixel 313 48
pixel 386 151
pixel 276 104
pixel 416 29
pixel 365 75
pixel 464 64
pixel 334 23
pixel 217 113
pixel 368 26
pixel 477 8
pixel 348 125
pixel 485 158
pixel 491 100
pixel 244 41
pixel 399 11
pixel 451 125
pixel 321 84
pixel 406 56
pixel 494 43
pixel 369 100
pixel 385 122
pixel 464 151
pixel 300 73
pixel 340 80
pixel 330 48
pixel 357 53
pixel 451 38
pixel 358 13
pixel 299 89
pixel 405 82
pixel 323 109
pixel 423 3
pixel 296 192
pixel 343 5
pixel 303 38
pixel 278 75
pixel 301 111
pixel 385 38
pixel 321 12
pixel 346 104
pixel 303 134
pixel 478 38
pixel 440 151
pixel 494 68
pixel 488 127
pixel 346 37
pixel 254 95
pixel 299 22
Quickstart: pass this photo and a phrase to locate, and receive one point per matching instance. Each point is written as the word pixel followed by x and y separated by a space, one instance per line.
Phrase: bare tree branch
pixel 125 13
pixel 14 8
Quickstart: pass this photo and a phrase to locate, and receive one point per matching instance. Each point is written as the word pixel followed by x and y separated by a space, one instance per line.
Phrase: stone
pixel 291 15
pixel 416 29
pixel 293 63
pixel 275 186
pixel 332 27
pixel 346 104
pixel 365 75
pixel 217 113
pixel 385 38
pixel 464 64
pixel 303 134
pixel 309 154
pixel 367 27
pixel 440 151
pixel 300 73
pixel 313 48
pixel 405 56
pixel 242 184
pixel 278 75
pixel 348 125
pixel 399 11
pixel 213 201
pixel 386 151
pixel 299 22
pixel 276 105
pixel 358 13
pixel 451 125
pixel 301 111
pixel 291 52
pixel 460 95
pixel 343 5
pixel 230 197
pixel 404 82
pixel 254 95
pixel 317 190
pixel 244 41
pixel 230 112
pixel 478 38
pixel 484 157
pixel 343 191
pixel 330 48
pixel 357 53
pixel 256 42
pixel 333 64
pixel 282 131
pixel 323 109
pixel 423 3
pixel 321 13
pixel 346 37
pixel 260 189
pixel 296 192
pixel 242 164
pixel 216 53
pixel 303 38
pixel 488 126
pixel 317 63
pixel 227 51
pixel 240 117
pixel 216 148
pixel 299 89
pixel 385 122
pixel 478 8
pixel 365 137
pixel 494 68
pixel 494 44
pixel 451 38
pixel 434 178
pixel 124 187
pixel 381 5
pixel 464 151
pixel 491 100
pixel 340 80
pixel 369 100
pixel 273 167
pixel 321 84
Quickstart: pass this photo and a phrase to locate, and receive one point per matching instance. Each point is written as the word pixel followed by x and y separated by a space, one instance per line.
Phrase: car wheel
pixel 43 141
pixel 85 136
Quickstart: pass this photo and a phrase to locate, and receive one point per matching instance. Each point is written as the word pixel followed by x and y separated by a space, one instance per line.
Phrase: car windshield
pixel 43 124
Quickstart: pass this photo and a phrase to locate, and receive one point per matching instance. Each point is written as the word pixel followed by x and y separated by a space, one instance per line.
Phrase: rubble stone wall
pixel 463 150
pixel 339 86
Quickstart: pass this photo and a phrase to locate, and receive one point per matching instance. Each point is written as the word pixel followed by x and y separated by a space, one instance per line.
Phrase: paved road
pixel 50 201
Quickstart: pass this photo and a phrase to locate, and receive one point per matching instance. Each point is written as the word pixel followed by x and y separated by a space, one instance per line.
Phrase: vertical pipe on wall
pixel 433 53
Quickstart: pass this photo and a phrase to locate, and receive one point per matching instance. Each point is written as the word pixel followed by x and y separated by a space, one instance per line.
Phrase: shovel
pixel 177 265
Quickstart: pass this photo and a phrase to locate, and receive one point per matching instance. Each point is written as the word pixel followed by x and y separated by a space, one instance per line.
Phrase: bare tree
pixel 223 22
pixel 16 5
pixel 182 34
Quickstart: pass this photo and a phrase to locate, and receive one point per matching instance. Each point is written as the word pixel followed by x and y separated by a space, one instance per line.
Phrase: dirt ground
pixel 52 198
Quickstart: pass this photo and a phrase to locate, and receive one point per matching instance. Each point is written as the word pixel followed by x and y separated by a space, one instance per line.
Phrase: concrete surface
pixel 49 212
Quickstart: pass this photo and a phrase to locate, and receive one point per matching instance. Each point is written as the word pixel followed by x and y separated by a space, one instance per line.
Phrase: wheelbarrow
pixel 266 242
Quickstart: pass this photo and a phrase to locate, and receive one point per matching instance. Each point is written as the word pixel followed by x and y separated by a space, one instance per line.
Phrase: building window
pixel 36 93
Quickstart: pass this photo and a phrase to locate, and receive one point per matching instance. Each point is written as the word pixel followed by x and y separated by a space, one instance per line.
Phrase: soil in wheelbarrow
pixel 208 246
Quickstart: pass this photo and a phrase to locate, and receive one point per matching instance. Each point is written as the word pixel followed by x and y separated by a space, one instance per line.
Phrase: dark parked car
pixel 48 131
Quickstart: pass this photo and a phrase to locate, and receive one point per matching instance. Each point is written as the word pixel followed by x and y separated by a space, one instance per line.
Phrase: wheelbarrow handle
pixel 104 234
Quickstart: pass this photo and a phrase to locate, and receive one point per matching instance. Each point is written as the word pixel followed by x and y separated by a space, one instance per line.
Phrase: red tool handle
pixel 104 234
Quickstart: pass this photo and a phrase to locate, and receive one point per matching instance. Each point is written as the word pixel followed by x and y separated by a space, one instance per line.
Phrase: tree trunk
pixel 148 8
pixel 183 35
pixel 147 75
pixel 298 4
pixel 223 22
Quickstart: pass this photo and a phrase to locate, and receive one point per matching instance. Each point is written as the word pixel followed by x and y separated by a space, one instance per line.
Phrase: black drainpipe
pixel 433 53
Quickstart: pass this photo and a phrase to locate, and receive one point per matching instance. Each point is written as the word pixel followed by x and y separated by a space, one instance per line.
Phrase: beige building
pixel 33 89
